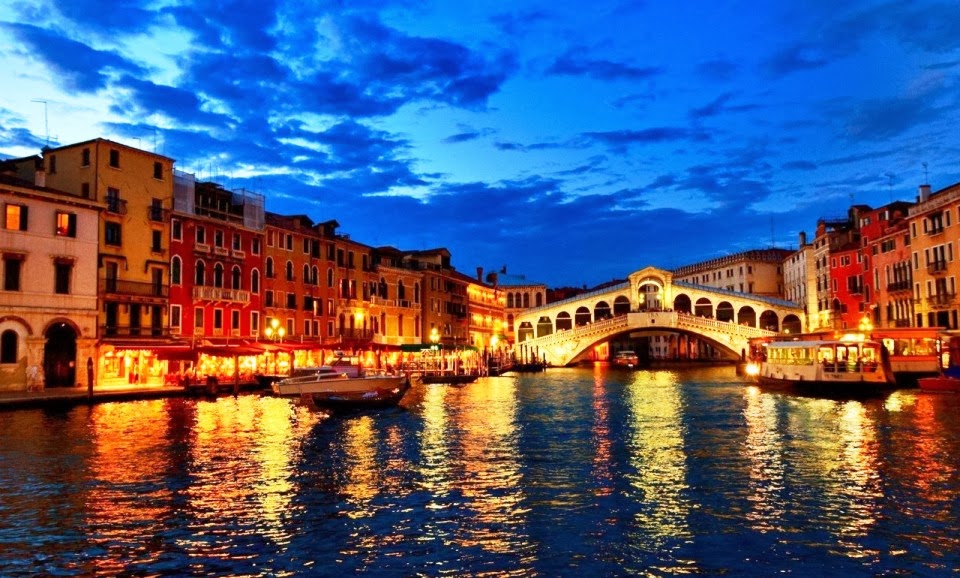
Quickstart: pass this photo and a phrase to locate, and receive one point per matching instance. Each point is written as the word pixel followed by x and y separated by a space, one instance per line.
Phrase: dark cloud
pixel 572 63
pixel 77 66
pixel 799 166
pixel 106 17
pixel 620 139
pixel 883 119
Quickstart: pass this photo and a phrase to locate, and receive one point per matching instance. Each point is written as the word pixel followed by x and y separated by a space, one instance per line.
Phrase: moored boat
pixel 336 380
pixel 374 397
pixel 948 380
pixel 627 359
pixel 826 368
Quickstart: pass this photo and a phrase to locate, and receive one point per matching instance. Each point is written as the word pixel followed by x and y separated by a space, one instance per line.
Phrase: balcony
pixel 221 251
pixel 933 231
pixel 941 299
pixel 221 294
pixel 201 248
pixel 898 286
pixel 132 288
pixel 133 331
pixel 116 206
pixel 157 214
pixel 355 334
pixel 937 267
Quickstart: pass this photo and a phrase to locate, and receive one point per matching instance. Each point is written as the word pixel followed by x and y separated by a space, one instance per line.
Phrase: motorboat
pixel 375 396
pixel 825 368
pixel 341 379
pixel 626 358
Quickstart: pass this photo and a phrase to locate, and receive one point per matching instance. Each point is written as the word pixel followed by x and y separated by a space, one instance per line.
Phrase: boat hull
pixel 357 400
pixel 833 389
pixel 939 383
pixel 336 385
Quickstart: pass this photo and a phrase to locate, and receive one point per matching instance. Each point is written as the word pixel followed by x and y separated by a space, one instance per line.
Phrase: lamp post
pixel 274 332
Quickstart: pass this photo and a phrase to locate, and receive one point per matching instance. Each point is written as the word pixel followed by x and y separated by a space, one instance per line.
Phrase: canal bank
pixel 70 396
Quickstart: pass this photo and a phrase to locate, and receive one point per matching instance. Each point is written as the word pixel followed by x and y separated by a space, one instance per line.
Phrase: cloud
pixel 573 64
pixel 799 166
pixel 77 66
pixel 620 139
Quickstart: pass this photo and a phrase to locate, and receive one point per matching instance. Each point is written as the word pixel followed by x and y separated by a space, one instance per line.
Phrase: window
pixel 201 235
pixel 157 242
pixel 218 238
pixel 198 318
pixel 62 270
pixel 85 158
pixel 12 265
pixel 85 190
pixel 289 271
pixel 218 275
pixel 53 164
pixel 176 270
pixel 158 171
pixel 66 224
pixel 218 319
pixel 255 282
pixel 175 318
pixel 269 272
pixel 199 274
pixel 235 278
pixel 8 346
pixel 16 218
pixel 115 158
pixel 112 234
pixel 176 230
pixel 291 300
pixel 289 242
pixel 236 241
pixel 255 247
pixel 254 322
pixel 235 321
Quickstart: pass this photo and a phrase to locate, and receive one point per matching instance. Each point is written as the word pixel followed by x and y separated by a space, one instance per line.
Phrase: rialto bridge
pixel 694 318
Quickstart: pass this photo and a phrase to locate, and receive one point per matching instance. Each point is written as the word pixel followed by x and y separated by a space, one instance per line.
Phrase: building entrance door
pixel 60 356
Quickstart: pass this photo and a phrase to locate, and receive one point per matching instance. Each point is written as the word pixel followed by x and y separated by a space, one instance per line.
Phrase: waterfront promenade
pixel 66 396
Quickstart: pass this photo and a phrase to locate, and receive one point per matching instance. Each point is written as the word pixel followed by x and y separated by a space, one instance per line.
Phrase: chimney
pixel 924 193
pixel 480 274
pixel 803 239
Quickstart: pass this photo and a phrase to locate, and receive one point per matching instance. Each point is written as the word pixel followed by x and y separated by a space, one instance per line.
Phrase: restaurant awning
pixel 229 350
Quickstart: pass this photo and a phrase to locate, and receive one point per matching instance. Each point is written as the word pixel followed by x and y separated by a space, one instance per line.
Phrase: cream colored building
pixel 933 225
pixel 758 272
pixel 48 286
pixel 800 280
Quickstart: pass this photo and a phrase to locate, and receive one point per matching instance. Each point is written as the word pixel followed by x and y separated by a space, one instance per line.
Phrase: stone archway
pixel 703 308
pixel 724 311
pixel 682 303
pixel 60 356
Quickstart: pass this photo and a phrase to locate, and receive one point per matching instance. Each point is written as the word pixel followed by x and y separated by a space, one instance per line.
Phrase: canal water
pixel 575 472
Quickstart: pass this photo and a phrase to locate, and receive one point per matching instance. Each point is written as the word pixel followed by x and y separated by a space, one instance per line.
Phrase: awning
pixel 229 350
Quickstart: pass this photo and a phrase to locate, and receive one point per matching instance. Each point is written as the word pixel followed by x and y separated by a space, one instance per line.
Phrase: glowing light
pixel 753 369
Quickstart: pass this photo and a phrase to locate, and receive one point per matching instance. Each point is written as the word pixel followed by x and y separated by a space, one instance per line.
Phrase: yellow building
pixel 933 238
pixel 136 188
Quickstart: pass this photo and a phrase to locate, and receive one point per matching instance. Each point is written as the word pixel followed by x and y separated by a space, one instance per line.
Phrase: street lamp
pixel 434 336
pixel 865 325
pixel 274 331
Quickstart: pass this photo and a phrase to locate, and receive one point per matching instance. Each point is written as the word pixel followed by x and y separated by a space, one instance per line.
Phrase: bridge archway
pixel 704 308
pixel 724 311
pixel 582 317
pixel 747 316
pixel 564 322
pixel 544 326
pixel 524 331
pixel 769 321
pixel 601 311
pixel 621 305
pixel 650 294
pixel 682 303
pixel 791 323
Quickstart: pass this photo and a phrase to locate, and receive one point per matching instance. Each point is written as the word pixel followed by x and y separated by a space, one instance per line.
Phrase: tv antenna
pixel 926 175
pixel 46 121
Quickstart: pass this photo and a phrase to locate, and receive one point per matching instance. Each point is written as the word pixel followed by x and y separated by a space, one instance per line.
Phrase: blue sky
pixel 571 142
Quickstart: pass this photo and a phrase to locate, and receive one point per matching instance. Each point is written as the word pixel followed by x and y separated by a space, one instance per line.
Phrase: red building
pixel 216 263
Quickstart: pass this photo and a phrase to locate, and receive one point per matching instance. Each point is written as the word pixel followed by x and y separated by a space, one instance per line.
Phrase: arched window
pixel 255 282
pixel 329 277
pixel 526 300
pixel 315 277
pixel 306 273
pixel 539 299
pixel 176 269
pixel 289 270
pixel 401 291
pixel 8 346
pixel 382 290
pixel 509 300
pixel 218 275
pixel 235 278
pixel 199 275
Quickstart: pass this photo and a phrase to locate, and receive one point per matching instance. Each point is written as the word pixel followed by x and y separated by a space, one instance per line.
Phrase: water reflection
pixel 658 462
pixel 764 451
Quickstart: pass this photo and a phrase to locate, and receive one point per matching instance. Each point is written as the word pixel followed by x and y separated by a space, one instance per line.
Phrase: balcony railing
pixel 157 214
pixel 356 334
pixel 899 286
pixel 116 205
pixel 941 299
pixel 221 294
pixel 133 331
pixel 935 267
pixel 201 248
pixel 137 288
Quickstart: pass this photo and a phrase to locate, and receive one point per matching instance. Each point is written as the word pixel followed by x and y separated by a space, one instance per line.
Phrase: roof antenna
pixel 926 176
pixel 46 121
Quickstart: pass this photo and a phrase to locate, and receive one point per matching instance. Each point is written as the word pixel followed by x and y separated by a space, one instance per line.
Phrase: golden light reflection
pixel 764 450
pixel 491 480
pixel 360 459
pixel 602 477
pixel 657 456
